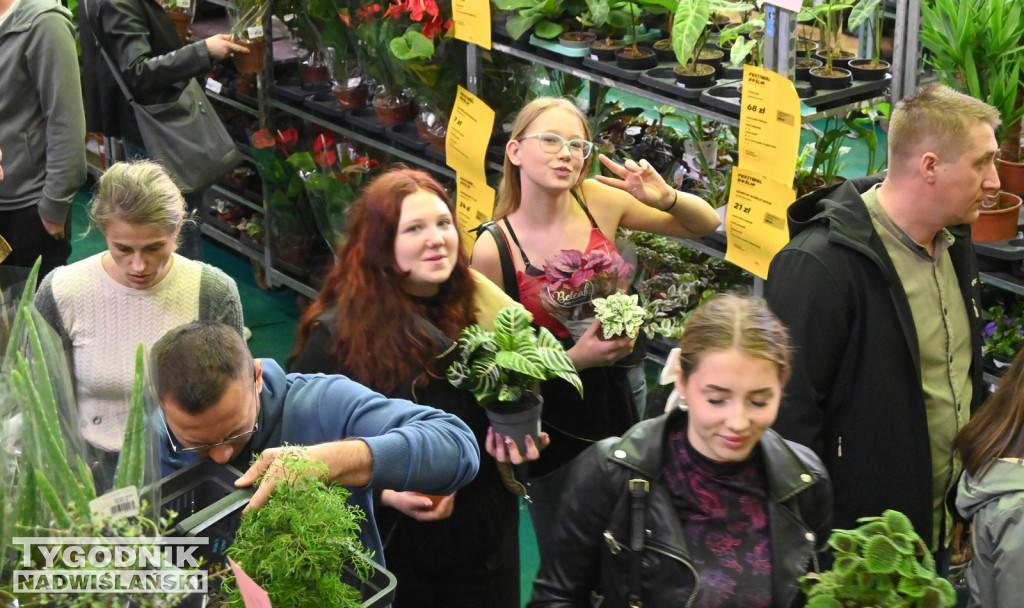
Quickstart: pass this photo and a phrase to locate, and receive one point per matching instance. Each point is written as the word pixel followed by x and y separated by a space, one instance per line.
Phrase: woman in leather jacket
pixel 703 507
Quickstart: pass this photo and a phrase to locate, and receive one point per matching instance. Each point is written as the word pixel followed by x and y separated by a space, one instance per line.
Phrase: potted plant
pixel 620 315
pixel 1003 333
pixel 832 75
pixel 689 33
pixel 975 46
pixel 882 562
pixel 635 57
pixel 820 161
pixel 540 16
pixel 181 12
pixel 503 368
pixel 391 102
pixel 301 544
pixel 247 18
pixel 873 13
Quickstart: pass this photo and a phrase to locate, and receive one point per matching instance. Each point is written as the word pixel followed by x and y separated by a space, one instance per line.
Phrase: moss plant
pixel 881 563
pixel 298 545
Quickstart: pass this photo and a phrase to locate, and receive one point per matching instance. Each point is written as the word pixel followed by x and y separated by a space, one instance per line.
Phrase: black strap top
pixel 530 268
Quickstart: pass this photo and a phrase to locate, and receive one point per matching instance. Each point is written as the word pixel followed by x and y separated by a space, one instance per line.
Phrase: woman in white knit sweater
pixel 105 305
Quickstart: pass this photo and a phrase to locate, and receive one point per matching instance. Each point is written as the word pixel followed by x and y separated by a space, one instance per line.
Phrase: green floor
pixel 272 316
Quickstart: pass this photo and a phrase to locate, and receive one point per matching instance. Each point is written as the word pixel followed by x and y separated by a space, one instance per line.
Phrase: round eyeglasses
pixel 553 143
pixel 177 448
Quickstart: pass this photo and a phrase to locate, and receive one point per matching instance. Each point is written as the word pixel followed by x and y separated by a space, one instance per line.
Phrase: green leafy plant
pixel 827 16
pixel 861 13
pixel 298 546
pixel 498 367
pixel 246 14
pixel 1003 332
pixel 690 31
pixel 541 16
pixel 975 46
pixel 619 314
pixel 883 562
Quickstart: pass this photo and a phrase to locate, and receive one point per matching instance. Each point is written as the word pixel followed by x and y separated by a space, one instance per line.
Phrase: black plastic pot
pixel 605 52
pixel 576 40
pixel 663 49
pixel 840 61
pixel 703 76
pixel 803 71
pixel 868 69
pixel 840 78
pixel 645 61
pixel 518 425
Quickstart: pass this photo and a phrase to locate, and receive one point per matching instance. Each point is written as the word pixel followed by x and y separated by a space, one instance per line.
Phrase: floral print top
pixel 723 507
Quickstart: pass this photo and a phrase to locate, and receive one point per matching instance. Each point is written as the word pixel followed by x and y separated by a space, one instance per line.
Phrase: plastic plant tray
pixel 324 103
pixel 208 504
pixel 663 79
pixel 366 119
pixel 824 99
pixel 405 134
pixel 552 47
pixel 609 68
pixel 1010 249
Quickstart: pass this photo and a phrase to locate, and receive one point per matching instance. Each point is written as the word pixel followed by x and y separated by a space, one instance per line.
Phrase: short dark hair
pixel 195 362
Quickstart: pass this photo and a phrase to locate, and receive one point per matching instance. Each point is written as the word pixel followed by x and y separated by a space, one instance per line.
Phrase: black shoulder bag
pixel 185 136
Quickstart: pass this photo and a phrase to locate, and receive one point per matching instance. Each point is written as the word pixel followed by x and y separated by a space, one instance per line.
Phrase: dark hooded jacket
pixel 592 544
pixel 855 396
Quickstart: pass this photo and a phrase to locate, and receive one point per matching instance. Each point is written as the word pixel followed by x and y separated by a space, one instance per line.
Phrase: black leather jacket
pixel 592 556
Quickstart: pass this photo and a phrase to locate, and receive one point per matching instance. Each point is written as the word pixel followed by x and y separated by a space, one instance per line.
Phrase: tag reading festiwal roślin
pixel 472 20
pixel 469 130
pixel 761 188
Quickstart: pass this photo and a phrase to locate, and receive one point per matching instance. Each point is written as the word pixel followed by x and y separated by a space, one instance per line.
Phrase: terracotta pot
pixel 251 62
pixel 351 97
pixel 999 224
pixel 182 23
pixel 1011 174
pixel 391 109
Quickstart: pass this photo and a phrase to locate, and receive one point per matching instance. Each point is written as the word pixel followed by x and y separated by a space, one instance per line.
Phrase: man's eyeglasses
pixel 553 144
pixel 177 449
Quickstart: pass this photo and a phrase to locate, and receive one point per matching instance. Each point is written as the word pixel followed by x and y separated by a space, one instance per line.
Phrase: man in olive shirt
pixel 879 289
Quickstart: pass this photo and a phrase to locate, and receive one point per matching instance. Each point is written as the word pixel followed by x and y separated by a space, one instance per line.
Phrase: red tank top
pixel 532 281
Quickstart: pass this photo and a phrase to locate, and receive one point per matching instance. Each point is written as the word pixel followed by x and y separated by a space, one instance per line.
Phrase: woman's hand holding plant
pixel 592 351
pixel 505 449
pixel 219 46
pixel 640 180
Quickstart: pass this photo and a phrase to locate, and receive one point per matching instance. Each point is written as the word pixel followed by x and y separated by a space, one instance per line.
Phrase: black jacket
pixel 592 542
pixel 140 38
pixel 855 396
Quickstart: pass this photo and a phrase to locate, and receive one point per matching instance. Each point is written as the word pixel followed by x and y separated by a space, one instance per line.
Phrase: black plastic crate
pixel 207 503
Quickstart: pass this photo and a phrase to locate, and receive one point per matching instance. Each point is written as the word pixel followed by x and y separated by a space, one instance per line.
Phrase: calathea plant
pixel 619 314
pixel 499 367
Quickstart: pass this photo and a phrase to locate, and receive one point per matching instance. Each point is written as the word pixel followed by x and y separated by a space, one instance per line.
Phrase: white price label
pixel 288 18
pixel 116 504
pixel 214 85
pixel 184 3
pixel 593 57
pixel 255 32
pixel 355 82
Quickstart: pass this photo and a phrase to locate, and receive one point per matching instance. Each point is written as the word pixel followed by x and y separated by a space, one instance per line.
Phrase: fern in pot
pixel 503 370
